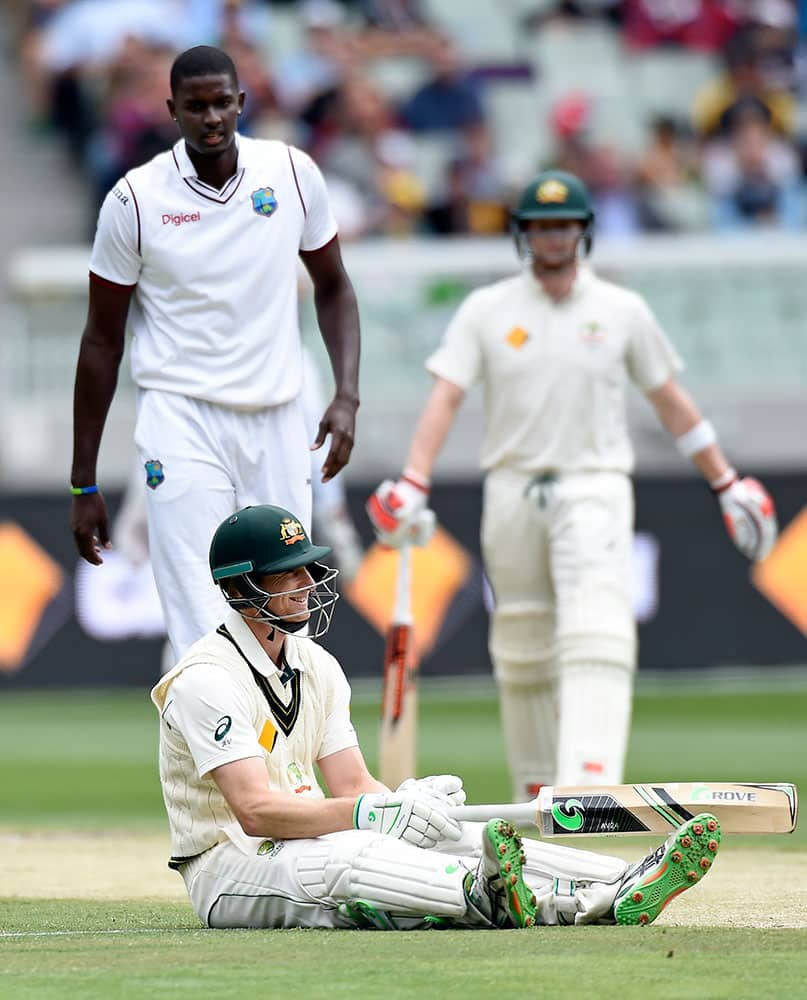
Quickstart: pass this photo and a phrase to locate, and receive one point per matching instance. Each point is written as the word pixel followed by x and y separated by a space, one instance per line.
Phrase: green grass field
pixel 81 768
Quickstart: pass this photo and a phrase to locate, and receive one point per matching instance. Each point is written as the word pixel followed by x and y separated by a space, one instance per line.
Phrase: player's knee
pixel 521 674
pixel 522 633
pixel 599 627
pixel 615 650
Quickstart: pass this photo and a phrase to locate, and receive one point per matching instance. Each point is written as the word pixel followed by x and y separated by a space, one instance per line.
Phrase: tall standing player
pixel 554 348
pixel 199 247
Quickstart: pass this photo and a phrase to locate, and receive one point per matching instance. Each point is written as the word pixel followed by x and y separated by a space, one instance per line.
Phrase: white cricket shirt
pixel 214 313
pixel 224 701
pixel 554 375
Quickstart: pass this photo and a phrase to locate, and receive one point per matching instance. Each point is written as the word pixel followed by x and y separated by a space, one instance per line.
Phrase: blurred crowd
pixel 427 158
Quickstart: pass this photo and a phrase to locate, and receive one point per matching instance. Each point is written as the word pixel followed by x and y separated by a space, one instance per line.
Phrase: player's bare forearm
pixel 263 812
pixel 289 817
pixel 345 773
pixel 433 427
pixel 338 319
pixel 99 359
pixel 679 414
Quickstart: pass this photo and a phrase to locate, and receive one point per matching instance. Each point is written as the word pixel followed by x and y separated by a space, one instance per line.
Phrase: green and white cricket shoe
pixel 497 889
pixel 681 861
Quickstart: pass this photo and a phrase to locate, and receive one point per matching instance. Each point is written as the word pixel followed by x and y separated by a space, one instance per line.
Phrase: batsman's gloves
pixel 413 818
pixel 443 789
pixel 749 515
pixel 399 511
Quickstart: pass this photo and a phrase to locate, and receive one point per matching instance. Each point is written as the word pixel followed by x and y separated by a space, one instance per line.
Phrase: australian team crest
pixel 291 531
pixel 155 474
pixel 264 201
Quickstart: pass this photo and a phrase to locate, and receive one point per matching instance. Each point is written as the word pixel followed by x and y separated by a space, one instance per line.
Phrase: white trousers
pixel 214 461
pixel 563 638
pixel 313 882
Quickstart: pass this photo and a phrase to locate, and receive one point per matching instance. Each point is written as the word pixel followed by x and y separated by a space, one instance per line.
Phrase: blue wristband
pixel 80 491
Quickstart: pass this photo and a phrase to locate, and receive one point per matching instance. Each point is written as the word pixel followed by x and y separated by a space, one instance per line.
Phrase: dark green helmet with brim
pixel 261 540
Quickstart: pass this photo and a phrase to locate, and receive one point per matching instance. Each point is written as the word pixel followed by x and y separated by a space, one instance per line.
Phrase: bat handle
pixel 520 813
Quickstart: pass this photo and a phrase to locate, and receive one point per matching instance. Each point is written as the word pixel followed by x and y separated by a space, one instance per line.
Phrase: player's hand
pixel 90 527
pixel 443 789
pixel 395 511
pixel 339 420
pixel 750 517
pixel 412 818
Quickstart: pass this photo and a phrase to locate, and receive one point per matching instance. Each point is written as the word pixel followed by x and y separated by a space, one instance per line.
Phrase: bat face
pixel 746 808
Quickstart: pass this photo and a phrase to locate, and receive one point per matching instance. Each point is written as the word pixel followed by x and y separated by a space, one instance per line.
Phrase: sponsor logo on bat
pixel 569 814
pixel 702 793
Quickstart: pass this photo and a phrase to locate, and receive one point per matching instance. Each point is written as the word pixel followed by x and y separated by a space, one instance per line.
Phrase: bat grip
pixel 520 813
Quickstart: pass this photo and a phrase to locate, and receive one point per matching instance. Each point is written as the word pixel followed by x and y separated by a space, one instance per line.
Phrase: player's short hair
pixel 201 60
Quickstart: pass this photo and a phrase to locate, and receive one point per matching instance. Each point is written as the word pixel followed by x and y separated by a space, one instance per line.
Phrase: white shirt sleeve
pixel 651 358
pixel 458 359
pixel 320 225
pixel 339 733
pixel 116 248
pixel 213 717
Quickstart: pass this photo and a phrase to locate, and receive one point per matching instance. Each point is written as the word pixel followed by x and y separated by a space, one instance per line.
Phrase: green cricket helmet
pixel 264 540
pixel 553 194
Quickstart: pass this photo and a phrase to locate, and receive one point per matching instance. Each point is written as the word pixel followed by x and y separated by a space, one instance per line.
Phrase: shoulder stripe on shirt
pixel 137 211
pixel 110 284
pixel 296 182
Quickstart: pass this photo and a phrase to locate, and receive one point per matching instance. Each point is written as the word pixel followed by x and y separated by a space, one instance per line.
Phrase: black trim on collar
pixel 218 197
pixel 285 715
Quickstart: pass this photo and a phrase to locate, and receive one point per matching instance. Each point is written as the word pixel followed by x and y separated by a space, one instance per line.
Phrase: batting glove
pixel 412 818
pixel 396 509
pixel 443 789
pixel 749 515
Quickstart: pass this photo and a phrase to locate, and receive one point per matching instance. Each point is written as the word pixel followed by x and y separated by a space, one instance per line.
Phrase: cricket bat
pixel 397 751
pixel 656 807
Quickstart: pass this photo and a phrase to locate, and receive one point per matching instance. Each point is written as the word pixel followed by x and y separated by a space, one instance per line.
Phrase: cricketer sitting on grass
pixel 555 347
pixel 250 710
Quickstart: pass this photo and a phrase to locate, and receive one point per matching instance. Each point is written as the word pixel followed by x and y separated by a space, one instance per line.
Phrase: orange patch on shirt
pixel 517 337
pixel 268 736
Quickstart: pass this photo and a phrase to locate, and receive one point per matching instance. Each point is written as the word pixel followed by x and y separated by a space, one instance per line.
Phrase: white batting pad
pixel 386 873
pixel 530 728
pixel 595 708
pixel 549 861
pixel 571 886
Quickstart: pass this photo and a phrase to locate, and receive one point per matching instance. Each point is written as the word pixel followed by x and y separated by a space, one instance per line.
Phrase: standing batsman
pixel 255 707
pixel 199 248
pixel 554 348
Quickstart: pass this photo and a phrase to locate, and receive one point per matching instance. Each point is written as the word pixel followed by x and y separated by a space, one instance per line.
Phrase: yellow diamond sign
pixel 782 577
pixel 438 572
pixel 29 580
